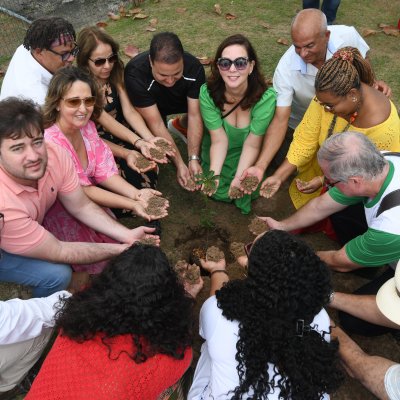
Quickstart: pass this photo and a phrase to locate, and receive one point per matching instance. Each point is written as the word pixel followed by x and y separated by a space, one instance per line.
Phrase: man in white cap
pixel 379 375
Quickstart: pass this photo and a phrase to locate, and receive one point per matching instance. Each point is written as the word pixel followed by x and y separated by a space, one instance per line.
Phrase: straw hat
pixel 388 297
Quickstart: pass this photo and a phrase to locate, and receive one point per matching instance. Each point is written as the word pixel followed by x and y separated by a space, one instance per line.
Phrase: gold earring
pixel 354 99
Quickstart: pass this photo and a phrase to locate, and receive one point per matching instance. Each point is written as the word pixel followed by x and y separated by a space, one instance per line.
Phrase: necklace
pixel 333 123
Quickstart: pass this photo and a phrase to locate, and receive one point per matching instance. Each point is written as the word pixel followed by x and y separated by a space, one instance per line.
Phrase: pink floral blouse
pixel 101 163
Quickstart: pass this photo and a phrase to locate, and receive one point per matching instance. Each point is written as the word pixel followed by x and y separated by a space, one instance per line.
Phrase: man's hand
pixel 383 87
pixel 271 223
pixel 182 174
pixel 270 186
pixel 195 169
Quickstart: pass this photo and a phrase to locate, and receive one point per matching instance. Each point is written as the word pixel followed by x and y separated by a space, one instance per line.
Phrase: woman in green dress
pixel 236 107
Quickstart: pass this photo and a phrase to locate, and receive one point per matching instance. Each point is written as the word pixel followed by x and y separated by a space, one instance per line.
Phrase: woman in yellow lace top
pixel 345 100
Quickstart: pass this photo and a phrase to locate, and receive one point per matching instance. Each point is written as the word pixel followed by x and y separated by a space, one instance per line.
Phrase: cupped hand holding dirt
pixel 258 226
pixel 157 207
pixel 249 184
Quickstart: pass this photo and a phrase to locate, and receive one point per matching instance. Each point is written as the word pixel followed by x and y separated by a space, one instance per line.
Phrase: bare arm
pixel 195 134
pixel 156 124
pixel 218 278
pixel 361 306
pixel 369 370
pixel 218 149
pixel 338 260
pixel 250 151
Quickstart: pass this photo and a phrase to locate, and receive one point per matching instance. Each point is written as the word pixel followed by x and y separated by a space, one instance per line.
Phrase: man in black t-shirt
pixel 163 81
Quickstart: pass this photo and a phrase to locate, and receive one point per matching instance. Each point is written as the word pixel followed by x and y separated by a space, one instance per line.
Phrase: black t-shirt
pixel 144 91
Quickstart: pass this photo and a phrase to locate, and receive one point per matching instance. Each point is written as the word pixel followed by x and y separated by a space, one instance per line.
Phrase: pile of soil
pixel 250 183
pixel 157 154
pixel 197 254
pixel 149 240
pixel 257 226
pixel 235 192
pixel 187 272
pixel 214 254
pixel 142 162
pixel 163 145
pixel 156 206
pixel 190 184
pixel 237 249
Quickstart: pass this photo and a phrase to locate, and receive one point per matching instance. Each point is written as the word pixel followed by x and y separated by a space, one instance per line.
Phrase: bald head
pixel 310 36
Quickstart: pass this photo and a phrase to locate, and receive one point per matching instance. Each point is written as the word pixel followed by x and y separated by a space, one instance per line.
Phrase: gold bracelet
pixel 219 270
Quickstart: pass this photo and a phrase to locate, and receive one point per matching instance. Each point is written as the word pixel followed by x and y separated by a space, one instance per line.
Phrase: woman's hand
pixel 251 171
pixel 140 209
pixel 145 145
pixel 193 288
pixel 140 233
pixel 211 266
pixel 132 158
pixel 234 190
pixel 270 186
pixel 208 190
pixel 311 186
pixel 145 194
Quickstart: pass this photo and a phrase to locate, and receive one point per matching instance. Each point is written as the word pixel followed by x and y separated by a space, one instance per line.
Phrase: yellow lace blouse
pixel 311 133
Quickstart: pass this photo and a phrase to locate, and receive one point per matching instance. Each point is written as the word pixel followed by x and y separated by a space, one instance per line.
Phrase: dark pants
pixel 329 8
pixel 358 326
pixel 281 153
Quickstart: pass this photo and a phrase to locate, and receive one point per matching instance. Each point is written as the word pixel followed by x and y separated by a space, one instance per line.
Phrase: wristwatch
pixel 194 157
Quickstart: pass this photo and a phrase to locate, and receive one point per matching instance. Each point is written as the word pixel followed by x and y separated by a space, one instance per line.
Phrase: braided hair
pixel 44 31
pixel 343 72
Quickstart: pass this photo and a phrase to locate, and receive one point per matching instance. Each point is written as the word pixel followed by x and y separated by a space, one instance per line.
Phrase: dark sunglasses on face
pixel 65 56
pixel 101 61
pixel 224 64
pixel 330 183
pixel 75 102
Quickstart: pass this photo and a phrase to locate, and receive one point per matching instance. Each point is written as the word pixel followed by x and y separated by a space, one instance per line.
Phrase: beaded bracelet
pixel 219 270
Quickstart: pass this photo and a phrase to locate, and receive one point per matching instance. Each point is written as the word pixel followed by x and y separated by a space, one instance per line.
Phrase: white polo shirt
pixel 294 79
pixel 25 77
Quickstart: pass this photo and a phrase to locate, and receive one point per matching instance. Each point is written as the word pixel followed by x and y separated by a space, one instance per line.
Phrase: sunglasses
pixel 330 183
pixel 65 56
pixel 101 61
pixel 75 102
pixel 326 106
pixel 224 64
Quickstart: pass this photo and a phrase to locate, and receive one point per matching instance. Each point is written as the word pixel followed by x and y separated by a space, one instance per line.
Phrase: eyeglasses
pixel 224 64
pixel 64 56
pixel 329 183
pixel 101 61
pixel 75 102
pixel 326 106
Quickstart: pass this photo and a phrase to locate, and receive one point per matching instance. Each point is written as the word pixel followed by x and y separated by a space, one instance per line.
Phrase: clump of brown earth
pixel 257 226
pixel 214 254
pixel 197 254
pixel 152 241
pixel 237 249
pixel 190 184
pixel 157 154
pixel 235 192
pixel 156 206
pixel 187 272
pixel 142 162
pixel 163 145
pixel 250 183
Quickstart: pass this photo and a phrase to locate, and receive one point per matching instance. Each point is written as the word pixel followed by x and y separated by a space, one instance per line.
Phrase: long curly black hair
pixel 137 294
pixel 286 282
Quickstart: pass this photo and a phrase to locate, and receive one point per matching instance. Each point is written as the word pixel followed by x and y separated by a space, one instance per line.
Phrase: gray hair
pixel 351 154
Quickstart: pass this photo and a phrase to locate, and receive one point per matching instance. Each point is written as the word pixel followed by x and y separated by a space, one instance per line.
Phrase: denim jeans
pixel 44 277
pixel 329 8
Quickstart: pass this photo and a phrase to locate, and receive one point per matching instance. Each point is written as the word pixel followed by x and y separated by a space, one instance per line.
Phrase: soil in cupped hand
pixel 156 206
pixel 235 192
pixel 163 145
pixel 142 162
pixel 250 183
pixel 214 254
pixel 258 226
pixel 190 184
pixel 157 154
pixel 152 241
pixel 187 272
pixel 237 249
pixel 197 254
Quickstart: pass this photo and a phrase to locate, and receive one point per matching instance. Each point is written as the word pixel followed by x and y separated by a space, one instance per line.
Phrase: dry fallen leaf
pixel 217 9
pixel 113 17
pixel 153 22
pixel 140 16
pixel 283 41
pixel 265 25
pixel 230 16
pixel 101 24
pixel 391 30
pixel 131 50
pixel 181 10
pixel 151 29
pixel 369 32
pixel 204 60
pixel 135 11
pixel 122 10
